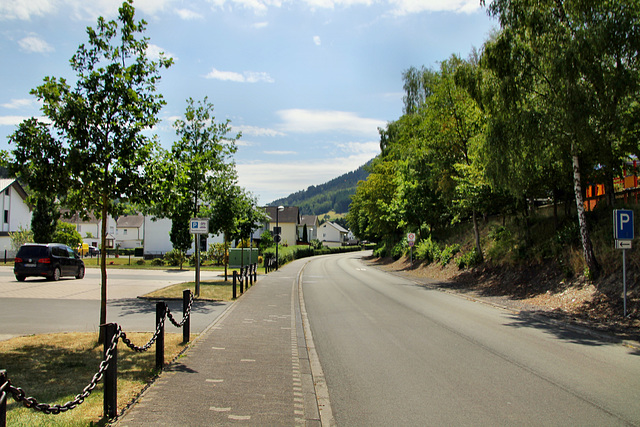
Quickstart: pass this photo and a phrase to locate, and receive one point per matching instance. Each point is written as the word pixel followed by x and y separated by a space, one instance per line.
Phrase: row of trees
pixel 94 153
pixel 549 102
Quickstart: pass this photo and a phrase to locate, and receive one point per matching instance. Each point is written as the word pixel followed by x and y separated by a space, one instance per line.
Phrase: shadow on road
pixel 132 306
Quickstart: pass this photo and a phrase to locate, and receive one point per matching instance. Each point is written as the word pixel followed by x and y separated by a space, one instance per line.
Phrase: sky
pixel 307 82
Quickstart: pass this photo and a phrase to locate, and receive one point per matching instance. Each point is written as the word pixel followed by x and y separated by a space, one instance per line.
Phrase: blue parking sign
pixel 623 224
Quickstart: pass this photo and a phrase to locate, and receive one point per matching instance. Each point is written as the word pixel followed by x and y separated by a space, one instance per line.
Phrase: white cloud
pixel 317 41
pixel 311 121
pixel 34 44
pixel 154 51
pixel 11 120
pixel 273 180
pixel 256 131
pixel 279 152
pixel 246 77
pixel 259 25
pixel 188 15
pixel 25 9
pixel 16 104
pixel 406 7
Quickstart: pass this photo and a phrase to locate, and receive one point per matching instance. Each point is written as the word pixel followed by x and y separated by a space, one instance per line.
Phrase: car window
pixel 32 252
pixel 71 253
pixel 58 251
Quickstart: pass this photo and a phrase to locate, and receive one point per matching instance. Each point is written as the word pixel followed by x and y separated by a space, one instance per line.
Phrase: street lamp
pixel 279 209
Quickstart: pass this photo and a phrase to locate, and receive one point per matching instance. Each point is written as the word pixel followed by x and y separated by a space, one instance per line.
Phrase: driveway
pixel 38 306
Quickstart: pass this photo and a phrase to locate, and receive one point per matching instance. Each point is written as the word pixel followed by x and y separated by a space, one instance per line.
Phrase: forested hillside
pixel 334 195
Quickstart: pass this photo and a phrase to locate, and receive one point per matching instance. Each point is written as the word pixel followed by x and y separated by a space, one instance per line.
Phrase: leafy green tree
pixel 20 237
pixel 100 121
pixel 305 234
pixel 575 65
pixel 67 234
pixel 44 219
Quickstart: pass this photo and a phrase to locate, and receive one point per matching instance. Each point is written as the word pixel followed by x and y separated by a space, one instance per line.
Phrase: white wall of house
pixel 329 233
pixel 14 214
pixel 156 237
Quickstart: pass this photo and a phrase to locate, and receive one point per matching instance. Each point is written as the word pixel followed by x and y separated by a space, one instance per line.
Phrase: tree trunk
pixel 103 267
pixel 476 233
pixel 587 247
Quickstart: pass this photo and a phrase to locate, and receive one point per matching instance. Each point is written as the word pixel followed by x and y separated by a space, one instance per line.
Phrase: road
pixel 69 305
pixel 398 353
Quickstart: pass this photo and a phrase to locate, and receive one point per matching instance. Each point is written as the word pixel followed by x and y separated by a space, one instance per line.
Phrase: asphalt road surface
pixel 69 305
pixel 398 353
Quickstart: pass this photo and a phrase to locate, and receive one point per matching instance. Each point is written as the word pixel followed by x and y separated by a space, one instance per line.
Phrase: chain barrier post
pixel 111 374
pixel 241 282
pixel 4 383
pixel 255 272
pixel 251 274
pixel 235 293
pixel 161 310
pixel 186 315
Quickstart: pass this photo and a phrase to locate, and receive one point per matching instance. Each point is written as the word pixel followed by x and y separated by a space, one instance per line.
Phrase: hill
pixel 334 195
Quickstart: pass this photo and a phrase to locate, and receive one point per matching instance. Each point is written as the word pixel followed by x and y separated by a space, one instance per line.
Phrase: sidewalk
pixel 249 367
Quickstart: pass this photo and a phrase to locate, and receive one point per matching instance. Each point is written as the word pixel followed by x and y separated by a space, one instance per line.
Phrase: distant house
pixel 16 213
pixel 130 231
pixel 288 220
pixel 332 234
pixel 313 223
pixel 90 228
pixel 156 240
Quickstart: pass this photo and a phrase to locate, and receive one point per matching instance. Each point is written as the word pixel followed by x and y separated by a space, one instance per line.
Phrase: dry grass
pixel 54 368
pixel 209 290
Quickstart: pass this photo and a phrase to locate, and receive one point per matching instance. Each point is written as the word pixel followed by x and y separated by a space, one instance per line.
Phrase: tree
pixel 44 219
pixel 20 237
pixel 67 234
pixel 101 120
pixel 305 234
pixel 574 64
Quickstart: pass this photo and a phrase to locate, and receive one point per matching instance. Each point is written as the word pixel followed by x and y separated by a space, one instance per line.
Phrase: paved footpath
pixel 250 367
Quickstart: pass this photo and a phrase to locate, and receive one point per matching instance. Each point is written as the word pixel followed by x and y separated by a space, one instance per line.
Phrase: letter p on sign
pixel 623 224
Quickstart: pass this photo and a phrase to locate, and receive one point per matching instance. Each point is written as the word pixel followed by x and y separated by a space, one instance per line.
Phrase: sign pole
pixel 197 238
pixel 624 281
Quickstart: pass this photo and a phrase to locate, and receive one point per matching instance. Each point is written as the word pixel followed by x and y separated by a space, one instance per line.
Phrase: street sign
pixel 623 244
pixel 411 238
pixel 623 224
pixel 277 230
pixel 199 226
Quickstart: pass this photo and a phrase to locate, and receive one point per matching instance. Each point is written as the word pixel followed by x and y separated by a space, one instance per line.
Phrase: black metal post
pixel 255 272
pixel 251 274
pixel 111 374
pixel 235 276
pixel 161 309
pixel 241 282
pixel 3 398
pixel 186 326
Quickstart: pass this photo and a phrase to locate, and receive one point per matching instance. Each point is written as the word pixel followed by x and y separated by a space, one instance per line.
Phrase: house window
pixel 6 191
pixel 124 231
pixel 6 216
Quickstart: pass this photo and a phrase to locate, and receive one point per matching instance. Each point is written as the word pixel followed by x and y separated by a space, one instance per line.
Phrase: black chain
pixel 153 339
pixel 186 315
pixel 19 394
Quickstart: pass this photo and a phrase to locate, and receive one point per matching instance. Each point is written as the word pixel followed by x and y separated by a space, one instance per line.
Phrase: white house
pixel 313 223
pixel 130 231
pixel 90 228
pixel 288 220
pixel 156 236
pixel 16 213
pixel 332 234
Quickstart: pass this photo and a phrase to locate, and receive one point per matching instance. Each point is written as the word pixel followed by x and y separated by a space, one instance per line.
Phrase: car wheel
pixel 20 278
pixel 80 274
pixel 56 274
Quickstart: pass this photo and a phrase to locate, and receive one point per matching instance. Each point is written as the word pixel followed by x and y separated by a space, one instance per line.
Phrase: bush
pixel 468 259
pixel 428 251
pixel 399 249
pixel 448 253
pixel 175 257
pixel 216 253
pixel 140 262
pixel 158 262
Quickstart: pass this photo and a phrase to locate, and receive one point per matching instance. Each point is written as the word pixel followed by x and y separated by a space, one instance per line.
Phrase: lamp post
pixel 278 210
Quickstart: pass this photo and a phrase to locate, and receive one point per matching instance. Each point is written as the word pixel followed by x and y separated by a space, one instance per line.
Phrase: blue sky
pixel 308 82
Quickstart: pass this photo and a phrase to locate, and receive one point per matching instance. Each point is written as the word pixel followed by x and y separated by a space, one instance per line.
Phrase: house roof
pixel 309 220
pixel 6 182
pixel 77 219
pixel 337 227
pixel 290 214
pixel 130 221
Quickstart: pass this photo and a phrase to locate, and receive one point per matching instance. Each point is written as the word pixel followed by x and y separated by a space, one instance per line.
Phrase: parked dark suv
pixel 52 261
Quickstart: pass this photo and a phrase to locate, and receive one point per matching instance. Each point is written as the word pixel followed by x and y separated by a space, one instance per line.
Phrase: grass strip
pixel 217 290
pixel 54 368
